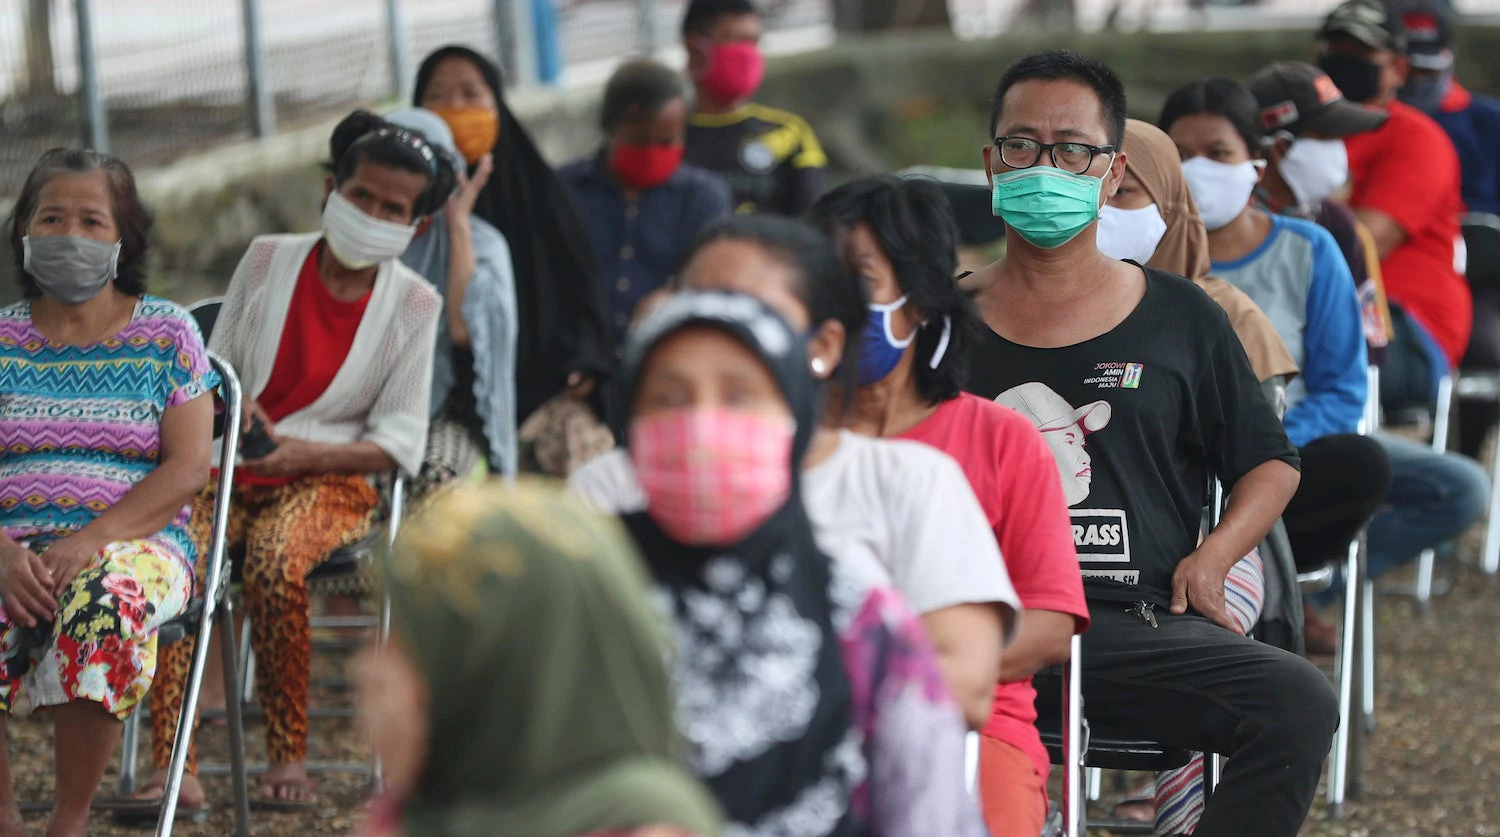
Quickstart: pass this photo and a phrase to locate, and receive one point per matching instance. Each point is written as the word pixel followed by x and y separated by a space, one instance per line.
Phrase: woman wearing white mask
pixel 1294 271
pixel 333 338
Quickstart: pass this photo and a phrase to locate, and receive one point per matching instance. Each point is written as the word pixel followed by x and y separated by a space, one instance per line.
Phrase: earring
pixel 819 366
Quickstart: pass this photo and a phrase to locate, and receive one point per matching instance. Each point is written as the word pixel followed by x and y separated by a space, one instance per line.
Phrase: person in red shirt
pixel 333 339
pixel 1406 191
pixel 913 365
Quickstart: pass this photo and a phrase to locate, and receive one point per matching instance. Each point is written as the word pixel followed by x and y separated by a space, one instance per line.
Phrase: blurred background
pixel 223 106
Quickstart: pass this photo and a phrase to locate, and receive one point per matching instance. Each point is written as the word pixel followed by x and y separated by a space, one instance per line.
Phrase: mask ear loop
pixel 886 311
pixel 942 346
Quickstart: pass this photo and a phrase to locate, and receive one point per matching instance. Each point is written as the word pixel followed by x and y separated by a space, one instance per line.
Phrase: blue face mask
pixel 879 350
pixel 1046 206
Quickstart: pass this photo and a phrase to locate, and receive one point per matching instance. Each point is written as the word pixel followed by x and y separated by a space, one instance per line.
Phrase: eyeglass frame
pixel 1051 149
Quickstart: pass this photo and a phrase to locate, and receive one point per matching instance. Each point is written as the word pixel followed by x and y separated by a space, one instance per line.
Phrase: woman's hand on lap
pixel 25 585
pixel 292 457
pixel 66 558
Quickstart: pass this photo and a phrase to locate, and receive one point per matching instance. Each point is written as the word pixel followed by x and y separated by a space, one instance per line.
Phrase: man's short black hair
pixel 639 88
pixel 1066 65
pixel 703 14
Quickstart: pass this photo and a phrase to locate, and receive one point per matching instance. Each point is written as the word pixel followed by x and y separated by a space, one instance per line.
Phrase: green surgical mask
pixel 1046 206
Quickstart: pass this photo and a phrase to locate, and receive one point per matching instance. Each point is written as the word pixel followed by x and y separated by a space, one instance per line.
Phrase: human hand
pixel 291 458
pixel 1199 583
pixel 580 384
pixel 66 558
pixel 252 411
pixel 25 585
pixel 461 202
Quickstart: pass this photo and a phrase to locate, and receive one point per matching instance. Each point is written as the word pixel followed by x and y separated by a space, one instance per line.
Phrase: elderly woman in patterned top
pixel 104 439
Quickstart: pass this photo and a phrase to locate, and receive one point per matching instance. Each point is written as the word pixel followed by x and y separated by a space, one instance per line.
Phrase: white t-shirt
pixel 892 512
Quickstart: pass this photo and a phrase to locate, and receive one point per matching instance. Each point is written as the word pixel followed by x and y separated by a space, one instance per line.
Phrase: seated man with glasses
pixel 1141 378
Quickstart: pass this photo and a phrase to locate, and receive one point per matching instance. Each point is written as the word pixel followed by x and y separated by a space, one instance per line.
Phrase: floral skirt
pixel 102 645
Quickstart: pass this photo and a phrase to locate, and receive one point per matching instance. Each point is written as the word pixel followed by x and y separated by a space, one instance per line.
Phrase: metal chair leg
pixel 1489 559
pixel 130 742
pixel 183 738
pixel 234 719
pixel 1338 766
pixel 1367 653
pixel 1213 771
pixel 1074 745
pixel 247 664
pixel 971 763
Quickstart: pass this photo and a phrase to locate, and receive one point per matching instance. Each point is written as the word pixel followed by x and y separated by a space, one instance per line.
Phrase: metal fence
pixel 153 80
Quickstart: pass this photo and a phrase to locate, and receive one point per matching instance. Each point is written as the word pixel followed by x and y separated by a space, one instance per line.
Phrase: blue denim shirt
pixel 640 244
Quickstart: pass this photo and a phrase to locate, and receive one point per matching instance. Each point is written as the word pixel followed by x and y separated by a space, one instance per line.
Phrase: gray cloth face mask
pixel 70 269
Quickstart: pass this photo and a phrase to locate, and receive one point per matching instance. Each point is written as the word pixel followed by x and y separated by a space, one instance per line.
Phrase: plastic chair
pixel 213 605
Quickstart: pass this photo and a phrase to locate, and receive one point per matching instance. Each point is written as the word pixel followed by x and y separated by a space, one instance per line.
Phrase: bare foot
pixel 287 785
pixel 71 825
pixel 190 795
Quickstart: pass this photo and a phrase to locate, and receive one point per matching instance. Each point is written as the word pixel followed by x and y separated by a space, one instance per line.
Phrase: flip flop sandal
pixel 142 813
pixel 274 804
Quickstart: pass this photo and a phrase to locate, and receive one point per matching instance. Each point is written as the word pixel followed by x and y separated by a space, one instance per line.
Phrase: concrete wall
pixel 878 104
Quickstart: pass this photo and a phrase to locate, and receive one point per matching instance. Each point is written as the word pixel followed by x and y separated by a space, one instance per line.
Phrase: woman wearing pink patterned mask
pixel 804 698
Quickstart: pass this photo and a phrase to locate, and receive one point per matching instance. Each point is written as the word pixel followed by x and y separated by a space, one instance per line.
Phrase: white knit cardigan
pixel 380 393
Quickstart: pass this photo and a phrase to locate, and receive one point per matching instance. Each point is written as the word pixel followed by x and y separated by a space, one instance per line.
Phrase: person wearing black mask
pixel 1406 192
pixel 1473 123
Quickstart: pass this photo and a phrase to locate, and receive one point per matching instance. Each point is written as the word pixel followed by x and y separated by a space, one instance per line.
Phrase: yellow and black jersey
pixel 770 158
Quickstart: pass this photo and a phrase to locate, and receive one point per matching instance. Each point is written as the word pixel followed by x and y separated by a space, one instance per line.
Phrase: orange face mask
pixel 474 130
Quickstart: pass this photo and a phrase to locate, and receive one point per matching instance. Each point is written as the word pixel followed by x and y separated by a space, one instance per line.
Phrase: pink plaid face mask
pixel 712 475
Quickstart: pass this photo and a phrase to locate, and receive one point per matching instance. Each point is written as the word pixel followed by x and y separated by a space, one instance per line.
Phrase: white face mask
pixel 1221 190
pixel 1130 233
pixel 1315 169
pixel 359 241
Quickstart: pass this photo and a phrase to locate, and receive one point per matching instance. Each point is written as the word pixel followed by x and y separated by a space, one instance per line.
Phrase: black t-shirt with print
pixel 1137 419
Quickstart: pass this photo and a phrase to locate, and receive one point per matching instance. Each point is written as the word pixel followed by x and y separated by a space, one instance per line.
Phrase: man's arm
pixel 1383 228
pixel 1256 503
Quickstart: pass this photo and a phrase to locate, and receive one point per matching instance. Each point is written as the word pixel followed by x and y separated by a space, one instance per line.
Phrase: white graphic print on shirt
pixel 1100 535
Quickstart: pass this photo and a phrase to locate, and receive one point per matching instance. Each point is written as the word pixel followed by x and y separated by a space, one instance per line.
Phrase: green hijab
pixel 548 697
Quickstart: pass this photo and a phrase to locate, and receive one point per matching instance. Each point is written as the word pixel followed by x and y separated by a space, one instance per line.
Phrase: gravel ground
pixel 1431 768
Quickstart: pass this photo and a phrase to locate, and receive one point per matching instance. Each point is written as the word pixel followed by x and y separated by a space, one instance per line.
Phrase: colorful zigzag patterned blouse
pixel 81 425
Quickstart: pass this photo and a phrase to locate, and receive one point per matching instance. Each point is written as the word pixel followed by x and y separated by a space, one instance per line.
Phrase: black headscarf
pixel 763 697
pixel 558 294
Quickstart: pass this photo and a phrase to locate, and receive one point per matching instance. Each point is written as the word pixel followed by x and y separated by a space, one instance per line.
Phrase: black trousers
pixel 1475 418
pixel 1344 479
pixel 1194 685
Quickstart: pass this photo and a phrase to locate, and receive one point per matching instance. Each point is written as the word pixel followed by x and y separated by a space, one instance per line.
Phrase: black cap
pixel 1298 98
pixel 1429 33
pixel 1370 22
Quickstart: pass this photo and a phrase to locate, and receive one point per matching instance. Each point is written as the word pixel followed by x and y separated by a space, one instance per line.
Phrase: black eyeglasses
pixel 1071 157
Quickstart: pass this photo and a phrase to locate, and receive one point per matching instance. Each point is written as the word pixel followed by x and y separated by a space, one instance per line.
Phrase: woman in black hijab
pixel 811 706
pixel 563 342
